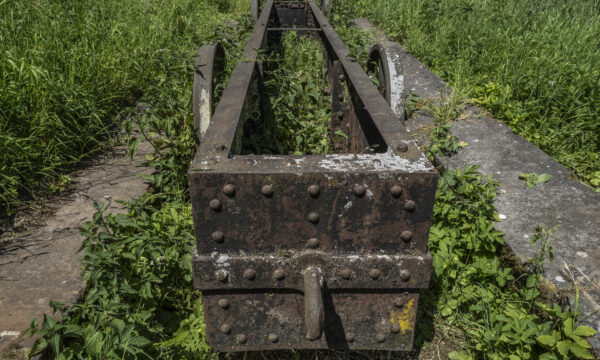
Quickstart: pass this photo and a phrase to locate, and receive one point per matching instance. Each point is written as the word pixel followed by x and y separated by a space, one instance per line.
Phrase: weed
pixel 532 179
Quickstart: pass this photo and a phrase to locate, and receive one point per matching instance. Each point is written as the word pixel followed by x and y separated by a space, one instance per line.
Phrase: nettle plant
pixel 501 312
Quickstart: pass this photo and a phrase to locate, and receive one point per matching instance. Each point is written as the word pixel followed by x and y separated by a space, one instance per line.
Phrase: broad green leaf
pixel 547 340
pixel 563 348
pixel 580 352
pixel 584 331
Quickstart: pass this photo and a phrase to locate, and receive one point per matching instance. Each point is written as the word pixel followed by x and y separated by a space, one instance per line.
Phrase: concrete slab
pixel 563 203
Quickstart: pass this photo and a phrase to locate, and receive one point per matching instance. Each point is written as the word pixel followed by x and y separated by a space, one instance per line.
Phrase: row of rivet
pixel 279 274
pixel 314 191
pixel 313 243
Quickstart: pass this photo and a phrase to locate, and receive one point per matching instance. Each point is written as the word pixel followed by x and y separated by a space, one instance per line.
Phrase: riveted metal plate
pixel 394 271
pixel 354 227
pixel 379 324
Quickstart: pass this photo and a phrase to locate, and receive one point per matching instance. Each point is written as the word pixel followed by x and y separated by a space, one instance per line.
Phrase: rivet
pixel 351 59
pixel 346 273
pixel 350 337
pixel 342 77
pixel 380 337
pixel 359 190
pixel 240 338
pixel 273 337
pixel 339 114
pixel 223 303
pixel 222 275
pixel 218 236
pixel 374 274
pixel 313 217
pixel 340 96
pixel 267 190
pixel 402 147
pixel 215 204
pixel 396 191
pixel 410 206
pixel 404 275
pixel 225 328
pixel 250 274
pixel 279 274
pixel 313 242
pixel 395 327
pixel 398 302
pixel 229 190
pixel 406 236
pixel 314 190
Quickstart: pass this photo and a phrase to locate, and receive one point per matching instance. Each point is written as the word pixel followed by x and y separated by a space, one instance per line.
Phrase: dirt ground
pixel 39 253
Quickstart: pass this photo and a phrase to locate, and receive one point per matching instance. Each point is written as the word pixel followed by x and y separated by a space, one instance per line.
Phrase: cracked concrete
pixel 41 263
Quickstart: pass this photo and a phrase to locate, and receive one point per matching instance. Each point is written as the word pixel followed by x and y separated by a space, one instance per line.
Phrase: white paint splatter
pixel 582 254
pixel 559 279
pixel 9 333
pixel 502 216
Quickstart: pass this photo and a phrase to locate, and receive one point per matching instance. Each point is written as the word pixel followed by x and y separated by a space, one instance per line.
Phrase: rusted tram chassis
pixel 314 251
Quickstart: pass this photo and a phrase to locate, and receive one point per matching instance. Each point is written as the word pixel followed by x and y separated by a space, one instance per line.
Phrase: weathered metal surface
pixel 385 63
pixel 360 320
pixel 209 61
pixel 285 271
pixel 288 247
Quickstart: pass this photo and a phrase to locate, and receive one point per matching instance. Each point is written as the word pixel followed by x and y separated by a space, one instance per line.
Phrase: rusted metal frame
pixel 382 272
pixel 220 136
pixel 229 192
pixel 356 320
pixel 393 132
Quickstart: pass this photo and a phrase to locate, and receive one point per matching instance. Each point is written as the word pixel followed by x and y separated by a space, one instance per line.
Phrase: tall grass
pixel 69 68
pixel 534 64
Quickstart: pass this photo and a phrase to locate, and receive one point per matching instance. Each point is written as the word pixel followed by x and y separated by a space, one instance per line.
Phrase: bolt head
pixel 222 275
pixel 350 337
pixel 223 303
pixel 374 274
pixel 402 147
pixel 218 236
pixel 279 274
pixel 346 273
pixel 314 190
pixel 267 190
pixel 339 114
pixel 340 96
pixel 313 217
pixel 395 327
pixel 380 337
pixel 359 190
pixel 396 191
pixel 240 338
pixel 229 190
pixel 313 243
pixel 410 206
pixel 398 302
pixel 404 275
pixel 273 337
pixel 342 77
pixel 225 328
pixel 215 204
pixel 352 59
pixel 250 274
pixel 406 236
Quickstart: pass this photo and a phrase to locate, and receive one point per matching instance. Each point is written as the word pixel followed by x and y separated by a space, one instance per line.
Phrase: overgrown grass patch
pixel 69 68
pixel 533 64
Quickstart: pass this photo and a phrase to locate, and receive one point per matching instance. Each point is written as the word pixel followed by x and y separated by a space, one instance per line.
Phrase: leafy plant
pixel 532 179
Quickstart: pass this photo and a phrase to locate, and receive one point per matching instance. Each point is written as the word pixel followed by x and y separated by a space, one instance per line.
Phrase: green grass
pixel 533 64
pixel 69 68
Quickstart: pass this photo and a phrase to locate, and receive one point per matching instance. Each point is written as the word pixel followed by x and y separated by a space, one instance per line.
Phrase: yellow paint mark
pixel 403 317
